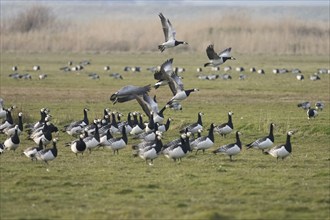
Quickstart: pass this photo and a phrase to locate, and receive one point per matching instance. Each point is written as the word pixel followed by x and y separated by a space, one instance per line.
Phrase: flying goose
pixel 283 150
pixel 217 59
pixel 264 142
pixel 169 34
pixel 231 149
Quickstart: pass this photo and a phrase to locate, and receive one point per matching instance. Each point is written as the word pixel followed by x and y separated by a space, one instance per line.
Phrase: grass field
pixel 101 185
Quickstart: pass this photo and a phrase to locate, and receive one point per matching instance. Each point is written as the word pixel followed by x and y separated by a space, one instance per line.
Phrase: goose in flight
pixel 217 59
pixel 169 33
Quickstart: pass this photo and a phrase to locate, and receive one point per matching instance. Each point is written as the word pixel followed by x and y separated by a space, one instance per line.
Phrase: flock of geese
pixel 112 132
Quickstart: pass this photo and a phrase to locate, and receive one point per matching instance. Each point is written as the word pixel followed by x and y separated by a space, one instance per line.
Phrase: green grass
pixel 101 185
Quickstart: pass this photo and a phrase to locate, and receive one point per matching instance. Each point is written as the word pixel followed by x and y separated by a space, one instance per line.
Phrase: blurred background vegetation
pixel 104 27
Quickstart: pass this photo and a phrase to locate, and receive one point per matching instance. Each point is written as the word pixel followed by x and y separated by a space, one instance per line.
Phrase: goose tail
pixel 161 48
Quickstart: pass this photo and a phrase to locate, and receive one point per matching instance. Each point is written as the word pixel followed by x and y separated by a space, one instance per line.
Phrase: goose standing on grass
pixel 12 143
pixel 8 121
pixel 180 150
pixel 319 105
pixel 2 111
pixel 118 143
pixel 231 149
pixel 48 154
pixel 10 130
pixel 304 105
pixel 169 33
pixel 283 150
pixel 225 128
pixel 166 126
pixel 32 151
pixel 78 146
pixel 204 142
pixel 152 151
pixel 217 59
pixel 311 113
pixel 76 127
pixel 264 142
pixel 194 127
pixel 93 141
pixel 138 126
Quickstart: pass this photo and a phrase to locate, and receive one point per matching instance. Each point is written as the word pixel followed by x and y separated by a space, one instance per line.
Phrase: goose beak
pixel 232 58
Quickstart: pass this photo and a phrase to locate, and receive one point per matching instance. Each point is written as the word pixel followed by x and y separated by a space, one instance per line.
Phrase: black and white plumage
pixel 47 154
pixel 179 150
pixel 204 142
pixel 231 149
pixel 76 127
pixel 304 105
pixel 139 126
pixel 166 126
pixel 93 141
pixel 319 105
pixel 225 128
pixel 166 76
pixel 46 134
pixel 264 142
pixel 169 33
pixel 117 143
pixel 194 127
pixel 1 148
pixel 78 146
pixel 31 152
pixel 283 150
pixel 8 121
pixel 181 95
pixel 300 77
pixel 217 59
pixel 13 142
pixel 311 113
pixel 151 151
pixel 2 111
pixel 10 130
pixel 128 93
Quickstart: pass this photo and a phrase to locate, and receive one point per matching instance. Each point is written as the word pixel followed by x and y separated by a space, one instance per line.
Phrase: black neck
pixel 288 143
pixel 199 120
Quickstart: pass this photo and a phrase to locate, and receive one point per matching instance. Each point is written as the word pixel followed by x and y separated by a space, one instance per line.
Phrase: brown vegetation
pixel 36 30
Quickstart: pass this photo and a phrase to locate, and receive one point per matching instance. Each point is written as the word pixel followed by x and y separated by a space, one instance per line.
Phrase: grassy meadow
pixel 101 185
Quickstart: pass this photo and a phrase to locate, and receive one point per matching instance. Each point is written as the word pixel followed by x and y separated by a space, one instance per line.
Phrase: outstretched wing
pixel 210 52
pixel 128 93
pixel 225 52
pixel 168 30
